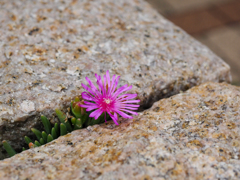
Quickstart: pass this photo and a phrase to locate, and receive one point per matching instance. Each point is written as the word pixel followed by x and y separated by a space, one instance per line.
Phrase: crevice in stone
pixel 171 89
pixel 8 129
pixel 17 130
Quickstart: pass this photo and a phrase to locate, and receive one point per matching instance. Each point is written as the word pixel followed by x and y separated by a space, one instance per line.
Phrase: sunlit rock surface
pixel 193 135
pixel 47 48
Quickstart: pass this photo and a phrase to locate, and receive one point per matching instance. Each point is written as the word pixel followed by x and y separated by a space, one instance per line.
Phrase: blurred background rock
pixel 215 23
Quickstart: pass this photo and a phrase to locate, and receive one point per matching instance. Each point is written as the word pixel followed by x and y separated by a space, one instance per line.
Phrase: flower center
pixel 107 101
pixel 106 104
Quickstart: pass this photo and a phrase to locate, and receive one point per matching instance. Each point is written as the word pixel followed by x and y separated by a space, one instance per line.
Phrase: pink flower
pixel 106 98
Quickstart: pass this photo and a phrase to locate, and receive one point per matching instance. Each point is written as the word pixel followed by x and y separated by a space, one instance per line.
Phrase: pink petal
pixel 88 97
pixel 131 105
pixel 88 89
pixel 85 106
pixel 121 89
pixel 132 108
pixel 105 84
pixel 96 114
pixel 99 83
pixel 127 96
pixel 114 117
pixel 130 112
pixel 95 90
pixel 111 85
pixel 124 115
pixel 89 103
pixel 115 85
pixel 89 107
pixel 133 101
pixel 98 77
pixel 108 80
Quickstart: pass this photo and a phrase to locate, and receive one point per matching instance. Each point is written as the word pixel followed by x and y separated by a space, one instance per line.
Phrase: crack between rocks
pixel 172 88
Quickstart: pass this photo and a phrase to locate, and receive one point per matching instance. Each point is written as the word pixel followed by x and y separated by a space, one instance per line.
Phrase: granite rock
pixel 47 48
pixel 192 135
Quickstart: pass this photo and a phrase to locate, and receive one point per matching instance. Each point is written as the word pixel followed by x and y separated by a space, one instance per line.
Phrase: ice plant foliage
pixel 76 118
pixel 108 99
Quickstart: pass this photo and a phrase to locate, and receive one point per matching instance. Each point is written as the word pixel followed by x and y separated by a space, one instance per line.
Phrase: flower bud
pixel 76 108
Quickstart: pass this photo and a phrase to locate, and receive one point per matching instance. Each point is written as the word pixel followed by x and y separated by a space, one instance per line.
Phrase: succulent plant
pixel 11 152
pixel 76 118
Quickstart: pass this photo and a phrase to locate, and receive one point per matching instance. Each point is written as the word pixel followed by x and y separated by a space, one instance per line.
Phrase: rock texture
pixel 47 48
pixel 193 135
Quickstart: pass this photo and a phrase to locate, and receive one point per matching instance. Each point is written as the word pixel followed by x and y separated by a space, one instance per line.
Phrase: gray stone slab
pixel 47 48
pixel 193 135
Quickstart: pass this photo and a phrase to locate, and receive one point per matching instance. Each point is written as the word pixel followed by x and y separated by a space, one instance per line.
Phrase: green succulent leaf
pixel 76 99
pixel 44 136
pixel 42 141
pixel 97 121
pixel 11 152
pixel 92 121
pixel 84 118
pixel 49 138
pixel 78 124
pixel 37 133
pixel 71 105
pixel 63 119
pixel 54 134
pixel 89 122
pixel 37 143
pixel 46 124
pixel 77 111
pixel 73 120
pixel 63 129
pixel 56 127
pixel 81 119
pixel 27 140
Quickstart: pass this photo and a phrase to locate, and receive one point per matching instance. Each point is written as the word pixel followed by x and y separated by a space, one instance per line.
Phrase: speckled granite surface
pixel 48 47
pixel 194 135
